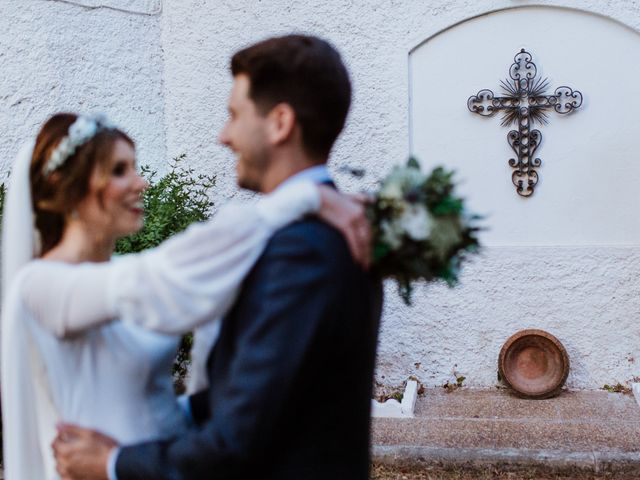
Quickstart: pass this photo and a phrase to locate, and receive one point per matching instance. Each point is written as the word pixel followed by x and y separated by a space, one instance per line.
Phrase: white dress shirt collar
pixel 317 174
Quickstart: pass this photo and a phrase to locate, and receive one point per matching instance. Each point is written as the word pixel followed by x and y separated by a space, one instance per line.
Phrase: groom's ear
pixel 281 123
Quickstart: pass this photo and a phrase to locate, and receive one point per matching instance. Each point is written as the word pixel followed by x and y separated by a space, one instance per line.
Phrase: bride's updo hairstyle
pixel 56 193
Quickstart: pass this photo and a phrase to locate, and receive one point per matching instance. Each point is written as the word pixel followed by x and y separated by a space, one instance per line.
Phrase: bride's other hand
pixel 347 213
pixel 82 453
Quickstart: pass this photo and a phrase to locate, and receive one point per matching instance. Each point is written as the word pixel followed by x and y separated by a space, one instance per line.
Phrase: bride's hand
pixel 347 214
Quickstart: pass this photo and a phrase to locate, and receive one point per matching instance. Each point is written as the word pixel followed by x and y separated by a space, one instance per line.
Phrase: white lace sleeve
pixel 188 280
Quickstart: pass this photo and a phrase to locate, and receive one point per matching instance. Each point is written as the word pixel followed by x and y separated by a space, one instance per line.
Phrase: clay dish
pixel 534 364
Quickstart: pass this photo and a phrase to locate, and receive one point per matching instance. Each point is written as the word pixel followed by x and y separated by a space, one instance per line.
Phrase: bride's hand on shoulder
pixel 347 213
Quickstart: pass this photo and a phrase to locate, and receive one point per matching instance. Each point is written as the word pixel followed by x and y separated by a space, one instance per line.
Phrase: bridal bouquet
pixel 421 230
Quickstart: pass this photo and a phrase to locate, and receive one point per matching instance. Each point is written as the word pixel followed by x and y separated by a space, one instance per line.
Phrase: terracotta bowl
pixel 534 364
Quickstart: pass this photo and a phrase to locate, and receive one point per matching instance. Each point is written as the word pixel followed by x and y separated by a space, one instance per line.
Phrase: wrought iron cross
pixel 524 103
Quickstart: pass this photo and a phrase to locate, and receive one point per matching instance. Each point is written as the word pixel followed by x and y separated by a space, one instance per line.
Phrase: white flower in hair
pixel 80 132
pixel 103 121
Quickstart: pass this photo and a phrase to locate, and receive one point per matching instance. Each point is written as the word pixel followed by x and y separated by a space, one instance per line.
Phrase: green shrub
pixel 171 204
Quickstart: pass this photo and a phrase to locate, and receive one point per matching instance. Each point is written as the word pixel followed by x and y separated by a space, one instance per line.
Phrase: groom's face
pixel 245 134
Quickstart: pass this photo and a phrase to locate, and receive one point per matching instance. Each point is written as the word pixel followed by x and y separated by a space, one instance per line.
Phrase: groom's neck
pixel 285 167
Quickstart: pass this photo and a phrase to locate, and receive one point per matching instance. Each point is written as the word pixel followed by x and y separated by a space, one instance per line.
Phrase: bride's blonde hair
pixel 56 194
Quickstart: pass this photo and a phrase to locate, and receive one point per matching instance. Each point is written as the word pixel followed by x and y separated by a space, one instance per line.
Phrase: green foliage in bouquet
pixel 171 204
pixel 420 227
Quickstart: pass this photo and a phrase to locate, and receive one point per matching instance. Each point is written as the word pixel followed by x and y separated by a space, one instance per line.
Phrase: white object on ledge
pixel 395 409
pixel 635 387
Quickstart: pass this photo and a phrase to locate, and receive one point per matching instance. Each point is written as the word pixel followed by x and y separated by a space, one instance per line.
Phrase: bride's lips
pixel 137 208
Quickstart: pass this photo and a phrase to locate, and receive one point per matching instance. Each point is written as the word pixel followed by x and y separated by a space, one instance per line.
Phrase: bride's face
pixel 113 207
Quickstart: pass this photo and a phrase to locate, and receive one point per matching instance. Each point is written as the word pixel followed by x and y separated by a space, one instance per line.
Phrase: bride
pixel 63 358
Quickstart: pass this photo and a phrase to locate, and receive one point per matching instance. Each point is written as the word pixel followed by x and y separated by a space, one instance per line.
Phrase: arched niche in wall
pixel 590 171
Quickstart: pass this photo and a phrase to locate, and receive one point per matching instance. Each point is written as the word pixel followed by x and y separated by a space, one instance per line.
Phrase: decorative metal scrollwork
pixel 524 103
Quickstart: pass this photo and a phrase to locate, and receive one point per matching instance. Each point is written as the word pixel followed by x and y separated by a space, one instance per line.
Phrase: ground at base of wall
pixel 384 472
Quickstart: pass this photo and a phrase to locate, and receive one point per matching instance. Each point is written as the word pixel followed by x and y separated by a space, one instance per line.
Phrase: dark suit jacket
pixel 290 376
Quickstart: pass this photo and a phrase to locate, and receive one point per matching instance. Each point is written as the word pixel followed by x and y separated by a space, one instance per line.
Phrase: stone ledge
pixel 590 431
pixel 508 459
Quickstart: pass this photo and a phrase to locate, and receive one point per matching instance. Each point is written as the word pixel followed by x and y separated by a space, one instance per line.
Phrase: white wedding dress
pixel 65 359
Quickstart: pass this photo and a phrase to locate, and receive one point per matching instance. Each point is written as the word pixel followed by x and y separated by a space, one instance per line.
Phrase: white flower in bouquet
pixel 416 222
pixel 392 233
pixel 422 230
pixel 391 192
pixel 400 181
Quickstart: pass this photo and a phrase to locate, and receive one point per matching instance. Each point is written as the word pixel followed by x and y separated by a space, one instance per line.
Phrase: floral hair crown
pixel 80 132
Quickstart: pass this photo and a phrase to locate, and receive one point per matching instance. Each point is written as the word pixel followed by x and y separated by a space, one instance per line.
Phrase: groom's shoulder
pixel 311 231
pixel 310 234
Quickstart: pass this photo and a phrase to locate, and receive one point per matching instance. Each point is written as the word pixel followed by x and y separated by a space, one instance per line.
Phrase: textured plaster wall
pixel 588 297
pixel 57 56
pixel 166 77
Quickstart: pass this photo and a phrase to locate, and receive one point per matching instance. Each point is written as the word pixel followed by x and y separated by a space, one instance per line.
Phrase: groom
pixel 291 374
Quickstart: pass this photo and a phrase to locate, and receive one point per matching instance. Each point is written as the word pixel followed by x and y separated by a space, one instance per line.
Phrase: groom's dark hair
pixel 308 74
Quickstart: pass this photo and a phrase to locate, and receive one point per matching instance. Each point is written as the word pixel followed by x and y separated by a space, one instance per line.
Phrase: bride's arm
pixel 187 281
pixel 194 278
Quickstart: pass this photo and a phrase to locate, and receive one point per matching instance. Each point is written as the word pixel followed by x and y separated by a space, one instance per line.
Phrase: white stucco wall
pixel 166 77
pixel 57 56
pixel 586 296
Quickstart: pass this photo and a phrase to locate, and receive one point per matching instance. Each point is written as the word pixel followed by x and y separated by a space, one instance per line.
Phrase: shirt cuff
pixel 111 463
